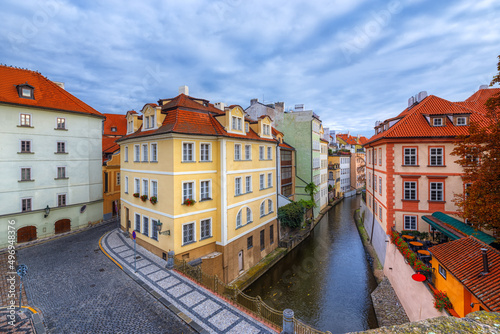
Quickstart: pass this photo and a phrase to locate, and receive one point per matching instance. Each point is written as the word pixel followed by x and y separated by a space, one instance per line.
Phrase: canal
pixel 326 280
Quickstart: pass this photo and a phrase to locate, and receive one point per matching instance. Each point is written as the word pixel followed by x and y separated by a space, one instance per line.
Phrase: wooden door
pixel 25 234
pixel 127 218
pixel 63 225
pixel 240 260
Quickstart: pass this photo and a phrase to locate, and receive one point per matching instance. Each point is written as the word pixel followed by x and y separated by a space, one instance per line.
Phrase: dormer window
pixel 437 122
pixel 461 121
pixel 147 122
pixel 25 91
pixel 236 123
pixel 266 128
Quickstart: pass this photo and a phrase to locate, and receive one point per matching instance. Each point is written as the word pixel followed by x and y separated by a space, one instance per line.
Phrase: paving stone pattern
pixel 79 290
pixel 387 306
pixel 201 307
pixel 22 324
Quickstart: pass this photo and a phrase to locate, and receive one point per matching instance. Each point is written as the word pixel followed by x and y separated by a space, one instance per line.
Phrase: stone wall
pixel 379 239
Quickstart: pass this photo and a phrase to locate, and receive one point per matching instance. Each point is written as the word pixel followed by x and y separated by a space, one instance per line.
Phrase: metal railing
pixel 300 327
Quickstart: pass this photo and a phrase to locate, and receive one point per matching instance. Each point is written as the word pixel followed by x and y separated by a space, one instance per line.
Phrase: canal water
pixel 326 280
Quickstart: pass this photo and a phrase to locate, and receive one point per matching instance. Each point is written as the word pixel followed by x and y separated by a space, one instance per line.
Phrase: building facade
pixel 201 181
pixel 51 159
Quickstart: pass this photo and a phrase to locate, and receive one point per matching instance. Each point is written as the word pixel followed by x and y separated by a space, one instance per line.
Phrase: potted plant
pixel 442 301
pixel 153 200
pixel 189 202
pixel 136 195
pixel 144 198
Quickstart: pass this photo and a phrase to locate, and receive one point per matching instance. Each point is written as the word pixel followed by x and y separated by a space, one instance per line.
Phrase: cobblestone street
pixel 79 290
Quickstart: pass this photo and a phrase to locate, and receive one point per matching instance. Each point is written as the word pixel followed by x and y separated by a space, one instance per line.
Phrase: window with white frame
pixel 269 206
pixel 205 190
pixel 145 225
pixel 187 152
pixel 249 215
pixel 137 186
pixel 380 213
pixel 410 223
pixel 237 186
pixel 126 185
pixel 154 152
pixel 238 219
pixel 25 174
pixel 436 191
pixel 247 127
pixel 154 188
pixel 126 154
pixel 25 146
pixel 188 233
pixel 61 123
pixel 205 152
pixel 261 152
pixel 61 172
pixel 61 147
pixel 154 229
pixel 436 156
pixel 61 200
pixel 262 209
pixel 248 184
pixel 380 157
pixel 442 271
pixel 137 222
pixel 187 191
pixel 380 185
pixel 269 180
pixel 410 190
pixel 269 153
pixel 237 151
pixel 267 129
pixel 26 204
pixel 248 152
pixel 437 122
pixel 137 151
pixel 145 183
pixel 410 156
pixel 205 228
pixel 461 121
pixel 261 181
pixel 146 123
pixel 144 152
pixel 25 120
pixel 118 178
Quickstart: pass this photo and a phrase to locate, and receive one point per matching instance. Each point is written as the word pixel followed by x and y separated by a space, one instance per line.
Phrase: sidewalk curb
pixel 190 322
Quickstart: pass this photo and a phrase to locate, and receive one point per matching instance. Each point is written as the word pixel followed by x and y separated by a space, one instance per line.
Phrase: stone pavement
pixel 200 308
pixel 387 306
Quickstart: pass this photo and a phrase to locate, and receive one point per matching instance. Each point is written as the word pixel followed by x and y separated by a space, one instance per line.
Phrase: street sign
pixel 22 270
pixel 133 234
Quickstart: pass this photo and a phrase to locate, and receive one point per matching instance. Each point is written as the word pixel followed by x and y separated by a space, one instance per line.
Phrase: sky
pixel 352 62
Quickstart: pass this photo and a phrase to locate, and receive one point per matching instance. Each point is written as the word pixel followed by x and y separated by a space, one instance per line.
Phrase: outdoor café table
pixel 424 252
pixel 416 244
pixel 408 237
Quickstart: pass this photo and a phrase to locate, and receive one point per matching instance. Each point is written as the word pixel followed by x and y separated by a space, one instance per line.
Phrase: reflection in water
pixel 326 280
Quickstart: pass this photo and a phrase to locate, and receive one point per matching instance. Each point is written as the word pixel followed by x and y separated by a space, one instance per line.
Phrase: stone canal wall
pixel 379 238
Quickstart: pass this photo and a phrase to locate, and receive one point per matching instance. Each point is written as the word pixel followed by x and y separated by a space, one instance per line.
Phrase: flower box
pixel 144 198
pixel 189 202
pixel 136 195
pixel 153 200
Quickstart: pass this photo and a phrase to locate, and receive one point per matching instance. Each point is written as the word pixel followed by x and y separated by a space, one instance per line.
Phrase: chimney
pixel 60 84
pixel 483 87
pixel 279 106
pixel 184 90
pixel 299 107
pixel 253 101
pixel 485 261
pixel 220 105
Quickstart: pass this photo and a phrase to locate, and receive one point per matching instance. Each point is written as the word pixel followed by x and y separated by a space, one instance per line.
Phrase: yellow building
pixel 200 180
pixel 334 174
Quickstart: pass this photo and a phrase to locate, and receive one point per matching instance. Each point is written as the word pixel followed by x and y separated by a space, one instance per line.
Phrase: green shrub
pixel 291 215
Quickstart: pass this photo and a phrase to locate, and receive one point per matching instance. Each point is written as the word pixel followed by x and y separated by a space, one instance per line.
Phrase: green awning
pixel 454 228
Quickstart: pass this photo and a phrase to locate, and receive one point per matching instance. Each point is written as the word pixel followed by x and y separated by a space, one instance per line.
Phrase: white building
pixel 50 158
pixel 345 173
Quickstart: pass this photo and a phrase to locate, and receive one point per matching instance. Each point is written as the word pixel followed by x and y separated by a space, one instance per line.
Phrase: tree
pixel 291 214
pixel 479 155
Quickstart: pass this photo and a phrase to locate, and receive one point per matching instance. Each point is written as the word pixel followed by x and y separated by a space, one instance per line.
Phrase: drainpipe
pixel 373 196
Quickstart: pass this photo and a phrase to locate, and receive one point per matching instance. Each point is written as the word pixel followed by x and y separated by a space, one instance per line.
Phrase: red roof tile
pixel 115 121
pixel 109 145
pixel 46 93
pixel 463 259
pixel 186 101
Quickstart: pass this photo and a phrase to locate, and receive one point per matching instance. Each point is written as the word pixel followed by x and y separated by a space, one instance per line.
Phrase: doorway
pixel 240 261
pixel 63 225
pixel 25 234
pixel 127 219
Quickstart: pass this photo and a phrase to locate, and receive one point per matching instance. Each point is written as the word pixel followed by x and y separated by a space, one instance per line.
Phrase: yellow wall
pixel 112 168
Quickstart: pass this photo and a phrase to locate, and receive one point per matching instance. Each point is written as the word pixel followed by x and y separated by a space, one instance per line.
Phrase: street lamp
pixel 47 211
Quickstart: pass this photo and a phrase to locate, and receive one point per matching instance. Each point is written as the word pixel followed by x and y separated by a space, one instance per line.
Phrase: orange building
pixel 468 270
pixel 115 126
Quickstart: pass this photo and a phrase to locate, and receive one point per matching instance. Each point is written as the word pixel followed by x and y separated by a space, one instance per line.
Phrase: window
pixel 25 146
pixel 61 147
pixel 380 213
pixel 154 229
pixel 269 153
pixel 126 154
pixel 369 180
pixel 271 234
pixel 61 200
pixel 113 129
pixel 248 184
pixel 461 121
pixel 237 186
pixel 466 189
pixel 261 179
pixel 206 228
pixel 380 185
pixel 204 152
pixel 436 156
pixel 262 209
pixel 249 215
pixel 188 233
pixel 154 188
pixel 237 152
pixel 126 185
pixel 25 120
pixel 269 180
pixel 154 152
pixel 25 174
pixel 145 187
pixel 236 123
pixel 205 190
pixel 437 121
pixel 147 122
pixel 249 242
pixel 262 240
pixel 137 186
pixel 118 179
pixel 261 152
pixel 410 223
pixel 442 271
pixel 286 190
pixel 152 120
pixel 436 191
pixel 187 152
pixel 138 222
pixel 61 123
pixel 269 206
pixel 26 204
pixel 410 156
pixel 410 190
pixel 248 152
pixel 145 225
pixel 137 153
pixel 246 127
pixel 187 191
pixel 61 172
pixel 144 152
pixel 238 219
pixel 267 129
pixel 380 157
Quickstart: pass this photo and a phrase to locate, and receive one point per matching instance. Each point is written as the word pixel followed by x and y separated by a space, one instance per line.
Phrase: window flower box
pixel 144 198
pixel 153 200
pixel 136 195
pixel 189 202
pixel 442 301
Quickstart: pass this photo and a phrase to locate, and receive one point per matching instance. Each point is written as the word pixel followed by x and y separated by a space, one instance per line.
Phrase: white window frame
pixel 153 157
pixel 145 184
pixel 442 271
pixel 193 190
pixel 262 209
pixel 248 152
pixel 151 189
pixel 412 192
pixel 137 215
pixel 269 153
pixel 125 158
pixel 209 152
pixel 65 199
pixel 194 233
pixel 262 184
pixel 410 221
pixel 142 225
pixel 248 185
pixel 239 219
pixel 436 123
pixel 63 123
pixel 461 118
pixel 248 210
pixel 209 189
pixel 436 191
pixel 270 206
pixel 21 119
pixel 126 185
pixel 237 181
pixel 380 185
pixel 269 180
pixel 410 154
pixel 65 146
pixel 261 153
pixel 201 229
pixel 193 153
pixel 145 151
pixel 237 152
pixel 31 204
pixel 437 156
pixel 137 153
pixel 137 185
pixel 236 123
pixel 154 229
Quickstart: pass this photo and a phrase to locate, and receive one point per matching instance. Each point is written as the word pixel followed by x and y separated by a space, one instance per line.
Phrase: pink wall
pixel 416 298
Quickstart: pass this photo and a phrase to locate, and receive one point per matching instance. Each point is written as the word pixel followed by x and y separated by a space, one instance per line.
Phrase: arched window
pixel 238 219
pixel 249 215
pixel 269 206
pixel 262 209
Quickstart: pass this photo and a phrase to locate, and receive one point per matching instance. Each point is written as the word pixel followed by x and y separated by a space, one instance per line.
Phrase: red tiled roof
pixel 287 146
pixel 186 101
pixel 362 140
pixel 109 145
pixel 463 259
pixel 46 93
pixel 117 121
pixel 347 138
pixel 483 94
